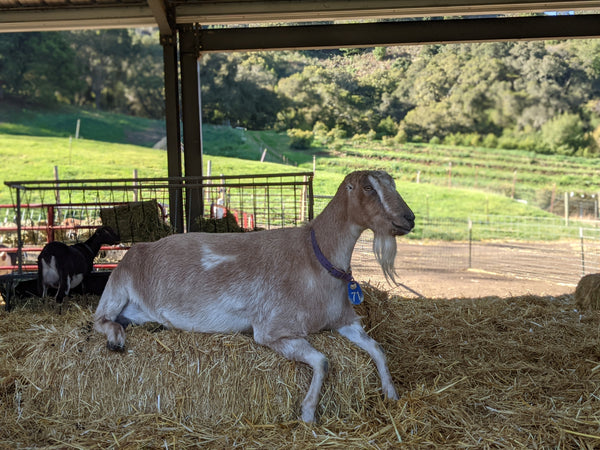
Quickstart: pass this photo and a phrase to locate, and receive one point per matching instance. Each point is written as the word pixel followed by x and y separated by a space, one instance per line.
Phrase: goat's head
pixel 374 203
pixel 106 235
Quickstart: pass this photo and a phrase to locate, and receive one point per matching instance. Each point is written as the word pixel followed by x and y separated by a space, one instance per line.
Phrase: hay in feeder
pixel 227 224
pixel 587 293
pixel 136 221
pixel 481 373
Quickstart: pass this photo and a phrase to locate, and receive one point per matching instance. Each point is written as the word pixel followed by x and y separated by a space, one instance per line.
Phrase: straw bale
pixel 483 373
pixel 136 221
pixel 227 224
pixel 587 293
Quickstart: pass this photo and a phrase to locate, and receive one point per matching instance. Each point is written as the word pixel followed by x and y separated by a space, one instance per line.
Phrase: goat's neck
pixel 336 237
pixel 93 244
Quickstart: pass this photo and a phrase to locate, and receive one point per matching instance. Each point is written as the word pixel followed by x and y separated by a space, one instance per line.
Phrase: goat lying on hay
pixel 282 284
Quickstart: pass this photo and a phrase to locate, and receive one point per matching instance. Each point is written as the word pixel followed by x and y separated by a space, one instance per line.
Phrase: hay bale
pixel 136 221
pixel 227 224
pixel 187 376
pixel 587 293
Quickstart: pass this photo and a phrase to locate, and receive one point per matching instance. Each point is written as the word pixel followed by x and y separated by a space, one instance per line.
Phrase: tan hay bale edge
pixel 481 373
pixel 136 221
pixel 587 293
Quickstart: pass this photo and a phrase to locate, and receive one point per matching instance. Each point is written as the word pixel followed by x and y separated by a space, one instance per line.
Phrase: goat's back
pixel 73 259
pixel 56 248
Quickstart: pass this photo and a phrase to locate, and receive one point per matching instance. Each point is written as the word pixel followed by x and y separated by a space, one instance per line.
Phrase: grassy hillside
pixel 20 120
pixel 479 173
pixel 482 179
pixel 527 176
pixel 33 158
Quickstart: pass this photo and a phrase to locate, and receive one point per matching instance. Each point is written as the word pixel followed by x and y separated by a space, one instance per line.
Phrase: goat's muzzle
pixel 400 229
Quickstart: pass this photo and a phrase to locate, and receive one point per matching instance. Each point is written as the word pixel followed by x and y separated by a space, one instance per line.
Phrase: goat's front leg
pixel 357 334
pixel 298 349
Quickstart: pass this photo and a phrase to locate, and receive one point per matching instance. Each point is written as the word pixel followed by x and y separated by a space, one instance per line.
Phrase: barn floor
pixel 487 372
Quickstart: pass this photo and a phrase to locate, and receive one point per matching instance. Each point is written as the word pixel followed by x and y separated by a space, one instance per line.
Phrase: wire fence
pixel 509 246
pixel 548 249
pixel 536 248
pixel 142 209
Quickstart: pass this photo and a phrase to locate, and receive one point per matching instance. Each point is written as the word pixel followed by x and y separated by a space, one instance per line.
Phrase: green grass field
pixel 32 143
pixel 34 158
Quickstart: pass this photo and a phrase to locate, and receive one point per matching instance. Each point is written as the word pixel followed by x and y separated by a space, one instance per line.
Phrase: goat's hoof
pixel 115 347
pixel 308 417
pixel 391 394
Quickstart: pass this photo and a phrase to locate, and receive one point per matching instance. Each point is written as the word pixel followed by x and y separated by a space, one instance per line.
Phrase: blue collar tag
pixel 355 293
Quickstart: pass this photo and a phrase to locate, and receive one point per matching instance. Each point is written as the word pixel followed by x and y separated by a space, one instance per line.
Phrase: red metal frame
pixel 50 227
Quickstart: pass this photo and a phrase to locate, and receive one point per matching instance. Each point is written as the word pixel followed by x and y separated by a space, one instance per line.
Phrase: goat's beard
pixel 384 247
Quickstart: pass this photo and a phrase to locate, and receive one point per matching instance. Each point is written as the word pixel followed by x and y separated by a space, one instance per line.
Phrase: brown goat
pixel 281 285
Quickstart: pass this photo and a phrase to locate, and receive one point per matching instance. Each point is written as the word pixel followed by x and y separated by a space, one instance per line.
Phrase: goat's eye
pixel 368 187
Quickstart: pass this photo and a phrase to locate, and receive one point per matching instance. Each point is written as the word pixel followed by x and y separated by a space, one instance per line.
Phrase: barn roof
pixel 45 15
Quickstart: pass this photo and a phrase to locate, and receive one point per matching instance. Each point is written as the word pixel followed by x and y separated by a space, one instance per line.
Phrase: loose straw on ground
pixel 481 373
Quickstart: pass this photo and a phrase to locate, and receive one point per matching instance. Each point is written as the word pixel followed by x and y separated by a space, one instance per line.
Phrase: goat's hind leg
pixel 355 333
pixel 107 319
pixel 298 349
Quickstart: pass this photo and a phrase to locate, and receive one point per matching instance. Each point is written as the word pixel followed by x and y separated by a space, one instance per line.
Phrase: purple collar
pixel 333 271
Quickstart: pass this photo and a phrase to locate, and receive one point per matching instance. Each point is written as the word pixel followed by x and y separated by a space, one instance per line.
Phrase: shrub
pixel 300 139
pixel 387 127
pixel 379 53
pixel 357 138
pixel 320 130
pixel 565 134
pixel 471 139
pixel 490 141
pixel 336 133
pixel 401 136
pixel 453 139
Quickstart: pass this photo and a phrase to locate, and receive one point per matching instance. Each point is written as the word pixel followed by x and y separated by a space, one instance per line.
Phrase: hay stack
pixel 227 224
pixel 587 293
pixel 69 373
pixel 136 221
pixel 478 373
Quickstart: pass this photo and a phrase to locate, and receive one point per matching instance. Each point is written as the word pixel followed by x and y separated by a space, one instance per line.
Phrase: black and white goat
pixel 64 267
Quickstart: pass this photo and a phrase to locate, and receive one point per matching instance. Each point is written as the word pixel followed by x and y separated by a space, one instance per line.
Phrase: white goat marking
pixel 75 280
pixel 380 191
pixel 52 277
pixel 211 260
pixel 50 272
pixel 270 282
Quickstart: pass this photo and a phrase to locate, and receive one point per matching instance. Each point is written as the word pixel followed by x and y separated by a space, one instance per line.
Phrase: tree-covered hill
pixel 537 96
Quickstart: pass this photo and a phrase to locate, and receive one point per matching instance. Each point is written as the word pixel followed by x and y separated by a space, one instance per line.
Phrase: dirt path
pixel 442 270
